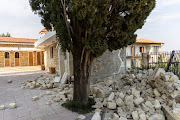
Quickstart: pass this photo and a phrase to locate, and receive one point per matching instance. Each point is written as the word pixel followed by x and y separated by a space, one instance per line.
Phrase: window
pixel 155 49
pixel 6 54
pixel 133 50
pixel 51 52
pixel 16 54
pixel 141 49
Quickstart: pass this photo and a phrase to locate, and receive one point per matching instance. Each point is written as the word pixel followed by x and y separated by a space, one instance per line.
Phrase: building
pixel 134 51
pixel 109 63
pixel 19 52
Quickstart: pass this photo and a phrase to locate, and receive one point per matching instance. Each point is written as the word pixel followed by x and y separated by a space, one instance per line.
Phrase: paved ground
pixel 19 69
pixel 26 108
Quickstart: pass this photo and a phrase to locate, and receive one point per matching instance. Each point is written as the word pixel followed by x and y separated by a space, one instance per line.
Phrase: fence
pixel 170 61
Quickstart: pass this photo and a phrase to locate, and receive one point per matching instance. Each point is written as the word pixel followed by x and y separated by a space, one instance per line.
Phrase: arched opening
pixel 16 58
pixel 7 61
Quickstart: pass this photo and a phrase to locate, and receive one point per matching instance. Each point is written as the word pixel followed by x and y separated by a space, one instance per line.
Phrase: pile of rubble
pixel 42 82
pixel 138 95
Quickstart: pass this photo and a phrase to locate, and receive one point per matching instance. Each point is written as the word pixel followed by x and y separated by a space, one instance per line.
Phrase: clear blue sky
pixel 162 25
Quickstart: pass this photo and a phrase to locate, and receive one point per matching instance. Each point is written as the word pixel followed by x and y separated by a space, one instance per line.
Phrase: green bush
pixel 79 107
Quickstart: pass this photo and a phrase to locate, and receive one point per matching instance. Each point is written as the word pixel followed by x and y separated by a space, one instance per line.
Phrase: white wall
pixel 147 48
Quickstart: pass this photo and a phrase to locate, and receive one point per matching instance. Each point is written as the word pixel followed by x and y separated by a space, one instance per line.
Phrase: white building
pixel 134 51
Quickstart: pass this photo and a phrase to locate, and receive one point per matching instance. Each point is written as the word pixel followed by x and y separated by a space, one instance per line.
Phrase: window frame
pixel 6 56
pixel 51 52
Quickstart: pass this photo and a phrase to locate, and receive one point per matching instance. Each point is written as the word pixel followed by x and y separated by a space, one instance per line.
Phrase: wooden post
pixel 170 60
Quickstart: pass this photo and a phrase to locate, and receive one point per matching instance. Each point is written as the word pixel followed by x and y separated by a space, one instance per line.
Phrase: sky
pixel 163 24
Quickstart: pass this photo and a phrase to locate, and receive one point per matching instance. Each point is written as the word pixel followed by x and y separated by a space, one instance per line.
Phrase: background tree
pixel 7 35
pixel 88 28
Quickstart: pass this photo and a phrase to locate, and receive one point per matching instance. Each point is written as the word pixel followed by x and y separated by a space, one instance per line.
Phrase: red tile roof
pixel 17 40
pixel 146 41
pixel 43 30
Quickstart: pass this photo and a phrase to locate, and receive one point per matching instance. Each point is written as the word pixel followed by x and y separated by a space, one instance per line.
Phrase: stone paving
pixel 26 108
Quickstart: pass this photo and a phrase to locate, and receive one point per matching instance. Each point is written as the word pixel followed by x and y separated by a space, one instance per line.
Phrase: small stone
pixel 49 102
pixel 115 116
pixel 156 93
pixel 120 102
pixel 135 115
pixel 35 98
pixel 2 107
pixel 81 117
pixel 149 104
pixel 156 117
pixel 138 101
pixel 176 112
pixel 111 96
pixel 122 118
pixel 96 116
pixel 142 116
pixel 48 93
pixel 157 105
pixel 9 81
pixel 111 105
pixel 98 105
pixel 136 93
pixel 12 105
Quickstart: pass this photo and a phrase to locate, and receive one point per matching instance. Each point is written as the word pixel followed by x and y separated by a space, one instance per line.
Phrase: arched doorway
pixel 7 61
pixel 16 58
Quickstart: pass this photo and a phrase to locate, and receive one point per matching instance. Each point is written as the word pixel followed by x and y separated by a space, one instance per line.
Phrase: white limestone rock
pixel 176 112
pixel 81 117
pixel 174 78
pixel 122 118
pixel 49 102
pixel 135 115
pixel 96 116
pixel 120 102
pixel 111 96
pixel 35 98
pixel 138 101
pixel 142 116
pixel 2 107
pixel 159 72
pixel 111 105
pixel 12 105
pixel 149 104
pixel 9 81
pixel 157 117
pixel 115 116
pixel 157 93
pixel 98 105
pixel 157 104
pixel 135 93
pixel 48 92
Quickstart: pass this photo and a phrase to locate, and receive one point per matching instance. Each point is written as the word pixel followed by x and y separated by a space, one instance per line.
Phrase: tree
pixel 88 28
pixel 7 35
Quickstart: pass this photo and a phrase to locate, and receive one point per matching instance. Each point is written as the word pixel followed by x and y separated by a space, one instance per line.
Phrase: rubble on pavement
pixel 137 95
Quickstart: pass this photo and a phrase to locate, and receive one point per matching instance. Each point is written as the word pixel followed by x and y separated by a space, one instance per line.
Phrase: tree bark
pixel 82 62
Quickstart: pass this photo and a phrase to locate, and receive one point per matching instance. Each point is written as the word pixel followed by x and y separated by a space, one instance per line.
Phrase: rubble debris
pixel 9 81
pixel 2 107
pixel 81 117
pixel 12 105
pixel 35 98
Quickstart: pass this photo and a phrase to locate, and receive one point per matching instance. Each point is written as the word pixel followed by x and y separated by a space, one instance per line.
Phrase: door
pixel 16 58
pixel 30 58
pixel 7 61
pixel 38 58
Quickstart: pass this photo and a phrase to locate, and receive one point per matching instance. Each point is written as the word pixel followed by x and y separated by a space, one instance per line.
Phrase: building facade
pixel 134 51
pixel 19 52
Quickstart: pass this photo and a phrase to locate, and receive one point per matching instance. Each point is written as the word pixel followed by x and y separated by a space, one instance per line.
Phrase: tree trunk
pixel 82 62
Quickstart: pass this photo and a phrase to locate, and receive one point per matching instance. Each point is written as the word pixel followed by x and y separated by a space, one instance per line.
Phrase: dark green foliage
pixel 95 25
pixel 79 107
pixel 7 35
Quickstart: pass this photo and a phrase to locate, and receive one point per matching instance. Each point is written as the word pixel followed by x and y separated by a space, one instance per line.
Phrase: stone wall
pixel 109 63
pixel 1 59
pixel 23 55
pixel 52 62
